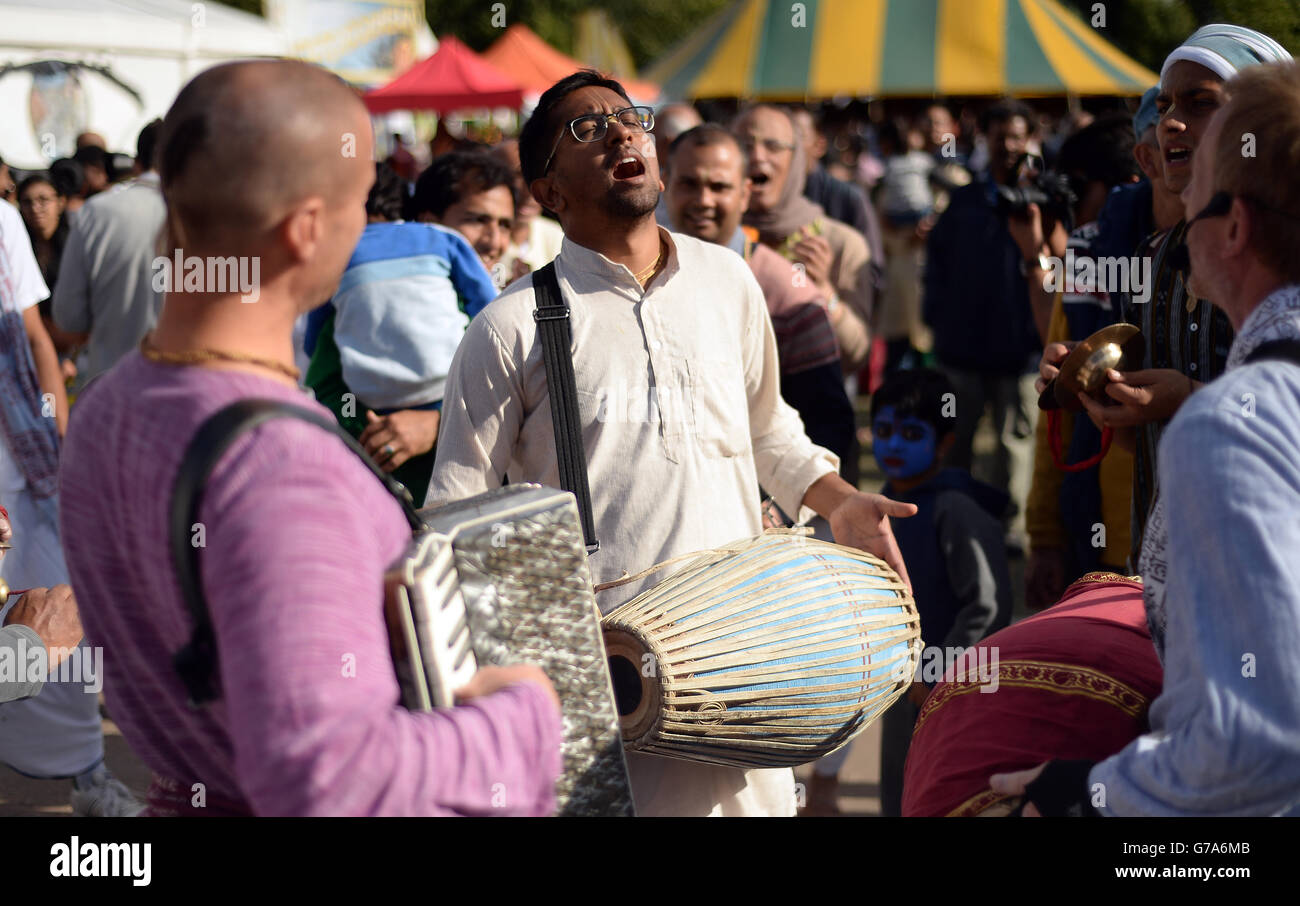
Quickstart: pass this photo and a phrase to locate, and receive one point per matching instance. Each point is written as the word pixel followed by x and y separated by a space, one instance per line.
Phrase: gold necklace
pixel 197 356
pixel 641 276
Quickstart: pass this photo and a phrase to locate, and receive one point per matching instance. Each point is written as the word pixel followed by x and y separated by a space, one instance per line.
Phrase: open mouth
pixel 1178 155
pixel 629 168
pixel 759 179
pixel 892 462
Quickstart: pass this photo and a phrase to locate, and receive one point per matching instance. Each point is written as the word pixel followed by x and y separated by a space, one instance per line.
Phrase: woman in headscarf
pixel 835 257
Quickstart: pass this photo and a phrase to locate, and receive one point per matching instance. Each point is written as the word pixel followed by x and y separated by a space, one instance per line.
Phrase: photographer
pixel 1218 561
pixel 977 305
pixel 1064 507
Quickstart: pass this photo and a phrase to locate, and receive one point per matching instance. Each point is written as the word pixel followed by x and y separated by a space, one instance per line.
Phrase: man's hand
pixel 395 438
pixel 1027 231
pixel 923 228
pixel 814 252
pixel 862 521
pixel 917 693
pixel 1151 395
pixel 492 679
pixel 52 613
pixel 1044 577
pixel 1014 784
pixel 6 532
pixel 1049 366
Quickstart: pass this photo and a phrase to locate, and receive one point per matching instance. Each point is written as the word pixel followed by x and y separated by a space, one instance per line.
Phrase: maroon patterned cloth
pixel 1073 682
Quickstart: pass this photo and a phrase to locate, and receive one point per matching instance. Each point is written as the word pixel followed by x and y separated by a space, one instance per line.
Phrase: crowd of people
pixel 738 290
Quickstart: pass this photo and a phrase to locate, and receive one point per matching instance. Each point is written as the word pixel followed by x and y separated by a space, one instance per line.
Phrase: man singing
pixel 678 387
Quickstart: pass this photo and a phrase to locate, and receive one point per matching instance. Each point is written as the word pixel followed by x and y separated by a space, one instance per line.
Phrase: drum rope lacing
pixel 713 553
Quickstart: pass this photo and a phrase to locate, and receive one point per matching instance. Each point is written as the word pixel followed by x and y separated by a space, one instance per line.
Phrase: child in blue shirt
pixel 953 548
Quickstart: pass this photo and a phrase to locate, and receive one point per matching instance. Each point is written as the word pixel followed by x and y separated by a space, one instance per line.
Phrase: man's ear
pixel 303 229
pixel 546 194
pixel 1148 159
pixel 746 189
pixel 1241 224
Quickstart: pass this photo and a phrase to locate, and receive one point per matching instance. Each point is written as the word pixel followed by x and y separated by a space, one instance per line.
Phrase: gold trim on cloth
pixel 1066 679
pixel 1100 576
pixel 982 800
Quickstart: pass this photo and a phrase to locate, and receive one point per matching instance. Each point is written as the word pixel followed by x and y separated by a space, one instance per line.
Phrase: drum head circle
pixel 634 673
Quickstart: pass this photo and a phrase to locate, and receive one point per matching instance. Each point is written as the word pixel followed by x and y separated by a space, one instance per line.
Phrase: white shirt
pixel 679 395
pixel 26 288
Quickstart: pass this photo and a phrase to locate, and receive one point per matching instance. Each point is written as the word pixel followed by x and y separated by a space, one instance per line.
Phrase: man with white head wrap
pixel 1187 338
pixel 1218 560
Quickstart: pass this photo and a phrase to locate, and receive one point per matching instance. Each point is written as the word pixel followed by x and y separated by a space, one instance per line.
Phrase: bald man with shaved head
pixel 267 165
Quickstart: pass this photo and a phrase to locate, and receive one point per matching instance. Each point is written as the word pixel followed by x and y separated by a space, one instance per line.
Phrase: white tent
pixel 108 66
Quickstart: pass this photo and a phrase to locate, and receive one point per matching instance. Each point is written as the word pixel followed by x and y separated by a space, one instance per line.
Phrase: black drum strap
pixel 556 336
pixel 196 662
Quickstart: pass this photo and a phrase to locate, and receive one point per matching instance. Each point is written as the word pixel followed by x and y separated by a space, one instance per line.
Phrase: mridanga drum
pixel 770 652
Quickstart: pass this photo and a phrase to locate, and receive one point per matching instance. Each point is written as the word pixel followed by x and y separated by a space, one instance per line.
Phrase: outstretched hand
pixel 861 520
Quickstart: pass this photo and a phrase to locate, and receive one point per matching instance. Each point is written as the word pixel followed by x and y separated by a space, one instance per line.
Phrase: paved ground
pixel 22 796
pixel 859 780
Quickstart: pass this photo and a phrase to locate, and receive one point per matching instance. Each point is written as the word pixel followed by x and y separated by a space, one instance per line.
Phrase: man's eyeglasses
pixel 771 145
pixel 592 127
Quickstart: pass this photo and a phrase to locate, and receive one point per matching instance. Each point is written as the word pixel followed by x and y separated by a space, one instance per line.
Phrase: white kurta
pixel 679 391
pixel 58 733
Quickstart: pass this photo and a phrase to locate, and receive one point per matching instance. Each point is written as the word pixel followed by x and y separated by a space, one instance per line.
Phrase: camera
pixel 1031 182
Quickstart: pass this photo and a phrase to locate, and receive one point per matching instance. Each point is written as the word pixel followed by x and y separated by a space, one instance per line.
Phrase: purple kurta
pixel 297 537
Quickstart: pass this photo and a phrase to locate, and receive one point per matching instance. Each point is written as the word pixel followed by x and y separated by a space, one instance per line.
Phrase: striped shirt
pixel 1182 332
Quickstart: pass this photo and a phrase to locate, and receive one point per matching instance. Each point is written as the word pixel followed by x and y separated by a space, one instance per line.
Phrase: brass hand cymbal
pixel 1119 346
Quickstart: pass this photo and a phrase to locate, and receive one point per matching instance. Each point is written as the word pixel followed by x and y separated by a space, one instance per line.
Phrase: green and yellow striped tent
pixel 784 51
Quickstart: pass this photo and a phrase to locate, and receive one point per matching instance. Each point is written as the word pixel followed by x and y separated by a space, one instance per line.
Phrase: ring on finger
pixel 389 450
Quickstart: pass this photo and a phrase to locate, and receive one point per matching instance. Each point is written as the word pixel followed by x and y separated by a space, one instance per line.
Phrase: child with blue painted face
pixel 953 546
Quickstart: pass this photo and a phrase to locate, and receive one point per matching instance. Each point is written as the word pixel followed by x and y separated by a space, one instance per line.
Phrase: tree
pixel 650 27
pixel 1147 30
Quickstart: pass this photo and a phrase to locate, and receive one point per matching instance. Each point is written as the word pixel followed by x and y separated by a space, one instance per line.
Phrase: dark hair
pixel 920 393
pixel 387 195
pixel 67 176
pixel 1101 151
pixel 539 133
pixel 49 258
pixel 35 178
pixel 891 135
pixel 454 174
pixel 1006 110
pixel 710 134
pixel 94 156
pixel 145 144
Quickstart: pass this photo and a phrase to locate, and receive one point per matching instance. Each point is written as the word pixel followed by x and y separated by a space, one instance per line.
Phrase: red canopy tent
pixel 536 65
pixel 454 78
